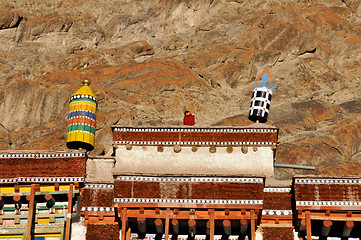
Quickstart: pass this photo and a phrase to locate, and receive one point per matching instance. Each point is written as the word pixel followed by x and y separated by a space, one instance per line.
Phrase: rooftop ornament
pixel 261 99
pixel 82 118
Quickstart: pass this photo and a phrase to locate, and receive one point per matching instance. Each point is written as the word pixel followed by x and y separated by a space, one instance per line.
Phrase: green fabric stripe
pixel 82 127
pixel 87 128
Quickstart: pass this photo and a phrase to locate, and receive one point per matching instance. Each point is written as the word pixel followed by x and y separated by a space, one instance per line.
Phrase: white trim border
pixel 192 201
pixel 189 179
pixel 327 203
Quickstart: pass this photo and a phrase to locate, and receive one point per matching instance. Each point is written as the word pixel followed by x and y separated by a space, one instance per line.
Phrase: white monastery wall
pixel 146 159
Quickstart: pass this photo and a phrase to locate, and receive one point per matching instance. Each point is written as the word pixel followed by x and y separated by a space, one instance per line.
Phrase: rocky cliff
pixel 148 61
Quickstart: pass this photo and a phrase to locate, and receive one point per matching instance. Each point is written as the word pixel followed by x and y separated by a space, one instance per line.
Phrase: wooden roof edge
pixel 41 151
pixel 327 176
pixel 254 125
pixel 186 175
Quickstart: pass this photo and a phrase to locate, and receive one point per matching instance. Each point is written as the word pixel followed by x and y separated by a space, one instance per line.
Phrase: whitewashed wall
pixel 147 159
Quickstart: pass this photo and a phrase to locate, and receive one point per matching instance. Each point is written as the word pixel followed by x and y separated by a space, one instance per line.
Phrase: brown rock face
pixel 148 61
pixel 9 18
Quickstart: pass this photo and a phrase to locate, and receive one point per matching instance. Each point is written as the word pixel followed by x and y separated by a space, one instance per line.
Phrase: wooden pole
pixel 211 227
pixel 50 201
pixel 1 203
pixel 159 225
pixel 129 231
pixel 30 212
pixel 208 227
pixel 308 225
pixel 166 230
pixel 68 216
pixel 326 227
pixel 142 224
pixel 302 226
pixel 18 202
pixel 227 227
pixel 124 223
pixel 244 226
pixel 253 226
pixel 192 227
pixel 347 228
pixel 175 226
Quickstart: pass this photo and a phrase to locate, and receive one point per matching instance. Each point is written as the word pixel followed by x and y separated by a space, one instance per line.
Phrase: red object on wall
pixel 188 120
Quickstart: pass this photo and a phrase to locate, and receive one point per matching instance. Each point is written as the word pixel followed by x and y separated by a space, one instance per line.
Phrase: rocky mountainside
pixel 148 61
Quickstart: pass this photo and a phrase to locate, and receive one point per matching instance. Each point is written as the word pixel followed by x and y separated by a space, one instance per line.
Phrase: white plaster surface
pixel 146 159
pixel 99 170
pixel 78 230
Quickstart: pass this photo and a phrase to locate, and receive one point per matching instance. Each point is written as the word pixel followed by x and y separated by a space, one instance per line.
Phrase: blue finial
pixel 264 75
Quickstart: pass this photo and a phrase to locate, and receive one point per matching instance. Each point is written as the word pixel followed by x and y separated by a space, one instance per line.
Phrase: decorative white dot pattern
pixel 99 186
pixel 98 209
pixel 327 203
pixel 270 189
pixel 8 180
pixel 326 181
pixel 83 96
pixel 172 143
pixel 189 179
pixel 41 180
pixel 276 212
pixel 41 155
pixel 188 201
pixel 208 130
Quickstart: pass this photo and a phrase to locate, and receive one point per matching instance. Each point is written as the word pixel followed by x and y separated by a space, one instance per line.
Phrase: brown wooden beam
pixel 335 216
pixel 30 212
pixel 185 214
pixel 129 231
pixel 211 223
pixel 347 228
pixel 124 223
pixel 68 216
pixel 272 217
pixel 349 214
pixel 190 206
pixel 330 208
pixel 308 225
pixel 253 226
pixel 166 228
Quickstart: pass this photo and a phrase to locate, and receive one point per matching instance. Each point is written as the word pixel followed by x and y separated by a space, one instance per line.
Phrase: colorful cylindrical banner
pixel 81 119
